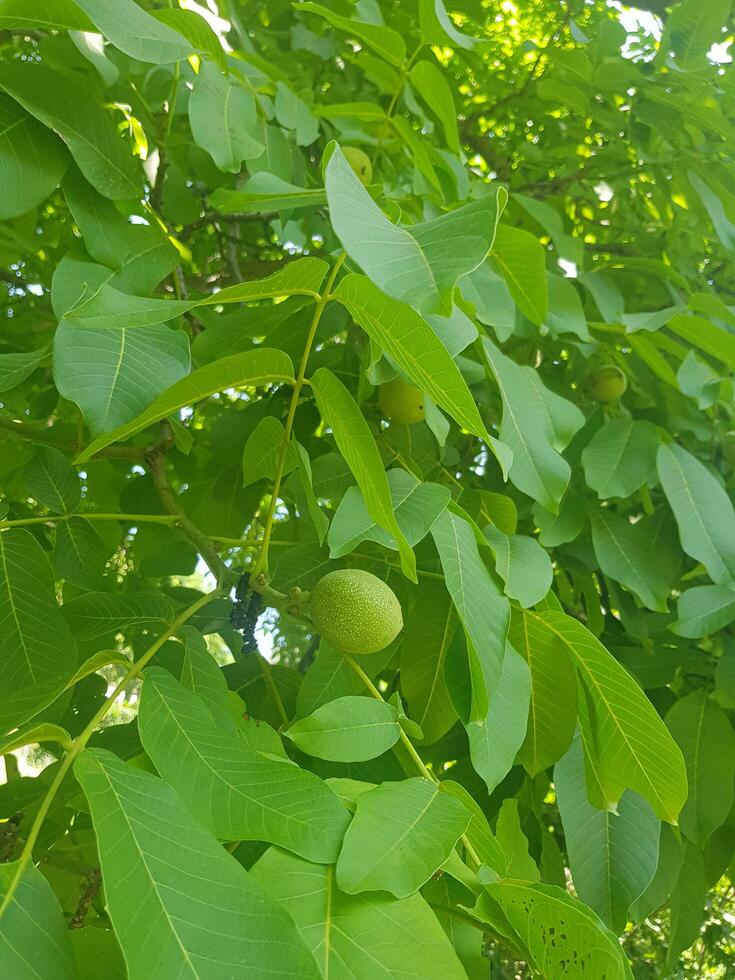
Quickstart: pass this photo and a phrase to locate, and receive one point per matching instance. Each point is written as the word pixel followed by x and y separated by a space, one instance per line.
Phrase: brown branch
pixel 94 880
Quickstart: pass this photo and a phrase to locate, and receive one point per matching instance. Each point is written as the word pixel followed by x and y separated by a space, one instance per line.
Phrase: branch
pixel 94 881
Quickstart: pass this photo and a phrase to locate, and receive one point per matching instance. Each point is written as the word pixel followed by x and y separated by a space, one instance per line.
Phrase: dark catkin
pixel 246 610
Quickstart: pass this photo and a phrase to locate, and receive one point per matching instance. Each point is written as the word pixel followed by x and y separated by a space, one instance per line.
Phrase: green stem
pixel 408 745
pixel 261 564
pixel 127 518
pixel 80 742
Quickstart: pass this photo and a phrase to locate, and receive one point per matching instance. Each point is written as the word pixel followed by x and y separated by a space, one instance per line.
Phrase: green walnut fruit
pixel 360 163
pixel 355 611
pixel 607 384
pixel 402 402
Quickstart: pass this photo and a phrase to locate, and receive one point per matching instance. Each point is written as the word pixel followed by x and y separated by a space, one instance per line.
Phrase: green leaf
pixel 620 457
pixel 536 913
pixel 109 307
pixel 356 443
pixel 263 450
pixel 135 32
pixel 400 835
pixel 522 262
pixel 552 712
pixel 53 482
pixel 253 368
pixel 523 565
pixel 114 374
pixel 239 794
pixel 36 647
pixel 705 736
pixel 700 333
pixel 96 614
pixel 496 738
pixel 97 954
pixel 414 346
pixel 223 117
pixel 432 86
pixel 205 916
pixel 54 14
pixel 317 515
pixel 703 511
pixel 537 424
pixel 436 26
pixel 368 935
pixel 431 625
pixel 691 29
pixel 86 128
pixel 565 313
pixel 44 731
pixel 300 278
pixel 514 843
pixel 612 857
pixel 704 610
pixel 626 553
pixel 482 609
pixel 201 674
pixel 15 368
pixel 416 505
pixel 34 938
pixel 32 160
pixel 634 748
pixel 266 192
pixel 195 29
pixel 80 555
pixel 418 265
pixel 384 40
pixel 350 729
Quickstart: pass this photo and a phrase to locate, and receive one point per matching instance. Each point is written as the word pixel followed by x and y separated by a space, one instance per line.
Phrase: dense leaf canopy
pixel 443 292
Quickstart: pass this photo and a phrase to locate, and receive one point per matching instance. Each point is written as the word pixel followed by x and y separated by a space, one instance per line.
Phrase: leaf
pixel 37 650
pixel 318 518
pixel 690 30
pixel 612 857
pixel 15 368
pixel 700 333
pixel 384 40
pixel 202 675
pixel 369 935
pixel 253 368
pixel 705 736
pixel 195 29
pixel 496 738
pixel 523 565
pixel 86 128
pixel 688 901
pixel 626 553
pixel 514 843
pixel 114 374
pixel 538 914
pixel 205 916
pixel 263 449
pixel 634 749
pixel 522 262
pixel 135 32
pixel 704 610
pixel 35 733
pixel 418 265
pixel 53 482
pixel 97 954
pixel 565 313
pixel 300 278
pixel 481 607
pixel 293 113
pixel 430 628
pixel 350 729
pixel 32 161
pixel 416 506
pixel 96 614
pixel 434 89
pixel 436 26
pixel 414 346
pixel 222 115
pixel 552 710
pixel 239 794
pixel 109 307
pixel 703 512
pixel 415 824
pixel 537 424
pixel 57 14
pixel 80 555
pixel 266 192
pixel 34 938
pixel 356 443
pixel 621 457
